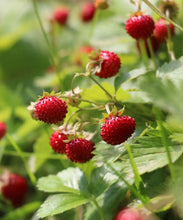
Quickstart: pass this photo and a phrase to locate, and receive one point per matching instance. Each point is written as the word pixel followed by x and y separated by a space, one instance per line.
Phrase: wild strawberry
pixel 50 109
pixel 140 26
pixel 2 129
pixel 129 214
pixel 154 42
pixel 117 129
pixel 61 15
pixel 79 150
pixel 83 51
pixel 87 11
pixel 161 30
pixel 57 142
pixel 110 64
pixel 14 188
pixel 101 4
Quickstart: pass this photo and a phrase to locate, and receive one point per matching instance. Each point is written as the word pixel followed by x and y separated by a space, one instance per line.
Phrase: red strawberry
pixel 161 30
pixel 61 15
pixel 129 214
pixel 110 64
pixel 87 11
pixel 14 188
pixel 79 150
pixel 155 45
pixel 2 129
pixel 117 129
pixel 140 26
pixel 57 142
pixel 50 109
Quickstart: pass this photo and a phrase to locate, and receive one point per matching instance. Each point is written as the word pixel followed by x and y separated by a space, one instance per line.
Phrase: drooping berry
pixel 140 26
pixel 57 142
pixel 50 109
pixel 2 129
pixel 110 64
pixel 155 45
pixel 61 15
pixel 14 188
pixel 117 129
pixel 79 150
pixel 129 214
pixel 161 30
pixel 87 11
pixel 101 4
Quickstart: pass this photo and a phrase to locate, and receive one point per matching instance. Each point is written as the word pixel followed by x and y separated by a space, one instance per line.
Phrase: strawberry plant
pixel 91 110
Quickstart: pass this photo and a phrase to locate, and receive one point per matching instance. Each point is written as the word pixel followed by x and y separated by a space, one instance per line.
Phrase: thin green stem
pixel 50 48
pixel 149 43
pixel 94 22
pixel 106 92
pixel 157 11
pixel 98 208
pixel 133 190
pixel 74 78
pixel 169 43
pixel 143 52
pixel 165 142
pixel 17 148
pixel 70 117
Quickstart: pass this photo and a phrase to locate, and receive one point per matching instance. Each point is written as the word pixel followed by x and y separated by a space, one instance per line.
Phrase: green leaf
pixel 59 203
pixel 22 212
pixel 70 180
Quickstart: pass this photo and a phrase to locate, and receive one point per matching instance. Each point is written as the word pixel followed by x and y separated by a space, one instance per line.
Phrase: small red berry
pixel 14 188
pixel 129 214
pixel 2 129
pixel 117 129
pixel 86 49
pixel 61 15
pixel 50 109
pixel 155 45
pixel 57 142
pixel 87 11
pixel 161 30
pixel 140 26
pixel 110 64
pixel 79 150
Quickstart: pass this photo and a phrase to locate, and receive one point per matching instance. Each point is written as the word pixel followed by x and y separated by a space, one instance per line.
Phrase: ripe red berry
pixel 14 188
pixel 2 129
pixel 155 45
pixel 117 129
pixel 57 142
pixel 161 30
pixel 50 109
pixel 87 11
pixel 110 64
pixel 140 26
pixel 79 150
pixel 129 214
pixel 61 15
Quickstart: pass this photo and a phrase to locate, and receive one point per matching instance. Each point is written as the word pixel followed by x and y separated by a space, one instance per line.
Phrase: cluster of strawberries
pixel 140 26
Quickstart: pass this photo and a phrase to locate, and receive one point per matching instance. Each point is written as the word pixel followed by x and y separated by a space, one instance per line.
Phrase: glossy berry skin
pixel 57 142
pixel 2 129
pixel 79 150
pixel 15 189
pixel 61 15
pixel 50 109
pixel 129 214
pixel 161 30
pixel 117 129
pixel 87 11
pixel 140 27
pixel 110 64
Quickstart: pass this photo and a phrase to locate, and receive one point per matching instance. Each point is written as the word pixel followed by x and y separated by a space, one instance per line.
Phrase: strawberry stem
pixel 164 140
pixel 149 43
pixel 98 208
pixel 18 150
pixel 50 48
pixel 143 52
